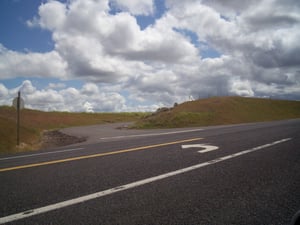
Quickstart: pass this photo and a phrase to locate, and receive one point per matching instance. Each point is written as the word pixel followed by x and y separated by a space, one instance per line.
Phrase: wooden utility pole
pixel 18 103
pixel 18 118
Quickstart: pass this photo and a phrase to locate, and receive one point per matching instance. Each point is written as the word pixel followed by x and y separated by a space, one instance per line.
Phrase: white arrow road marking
pixel 207 147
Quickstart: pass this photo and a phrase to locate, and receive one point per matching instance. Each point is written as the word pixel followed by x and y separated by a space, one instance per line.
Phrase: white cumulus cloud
pixel 88 98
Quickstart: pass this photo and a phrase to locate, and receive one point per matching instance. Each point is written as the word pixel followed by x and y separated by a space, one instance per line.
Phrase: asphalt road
pixel 250 176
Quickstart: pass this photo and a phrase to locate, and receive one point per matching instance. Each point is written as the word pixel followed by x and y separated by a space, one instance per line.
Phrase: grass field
pixel 33 123
pixel 222 110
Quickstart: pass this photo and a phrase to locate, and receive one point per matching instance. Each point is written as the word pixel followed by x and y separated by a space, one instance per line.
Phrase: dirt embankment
pixel 55 138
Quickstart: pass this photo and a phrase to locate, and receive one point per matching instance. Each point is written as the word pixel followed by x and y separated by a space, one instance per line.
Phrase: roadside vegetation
pixel 221 111
pixel 205 112
pixel 34 123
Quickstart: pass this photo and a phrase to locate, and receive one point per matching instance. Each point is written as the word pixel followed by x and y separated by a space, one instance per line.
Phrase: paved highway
pixel 241 174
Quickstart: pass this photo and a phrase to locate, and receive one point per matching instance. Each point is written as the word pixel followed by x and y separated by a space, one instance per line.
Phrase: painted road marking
pixel 207 147
pixel 153 134
pixel 77 149
pixel 59 205
pixel 43 153
pixel 97 155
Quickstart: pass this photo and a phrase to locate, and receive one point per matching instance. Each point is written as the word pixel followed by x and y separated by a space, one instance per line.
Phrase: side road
pixel 99 133
pixel 113 131
pixel 96 133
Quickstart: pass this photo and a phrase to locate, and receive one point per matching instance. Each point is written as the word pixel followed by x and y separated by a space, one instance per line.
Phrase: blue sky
pixel 15 34
pixel 142 54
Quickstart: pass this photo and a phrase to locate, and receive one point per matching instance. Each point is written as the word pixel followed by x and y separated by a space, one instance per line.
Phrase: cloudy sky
pixel 138 55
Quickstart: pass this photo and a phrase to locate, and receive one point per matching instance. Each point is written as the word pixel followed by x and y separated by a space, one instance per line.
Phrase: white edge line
pixel 43 153
pixel 74 201
pixel 153 134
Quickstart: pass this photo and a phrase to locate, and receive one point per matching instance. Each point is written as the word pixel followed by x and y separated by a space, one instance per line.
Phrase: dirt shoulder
pixel 56 138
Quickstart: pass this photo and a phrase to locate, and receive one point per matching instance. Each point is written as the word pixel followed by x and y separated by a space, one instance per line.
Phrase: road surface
pixel 241 174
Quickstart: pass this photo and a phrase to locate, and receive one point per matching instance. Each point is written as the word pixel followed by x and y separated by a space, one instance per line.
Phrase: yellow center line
pixel 96 155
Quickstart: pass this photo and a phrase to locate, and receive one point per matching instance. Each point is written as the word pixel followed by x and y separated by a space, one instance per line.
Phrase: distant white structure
pixel 88 107
pixel 191 98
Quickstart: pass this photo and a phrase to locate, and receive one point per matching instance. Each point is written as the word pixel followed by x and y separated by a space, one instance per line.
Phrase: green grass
pixel 222 110
pixel 33 123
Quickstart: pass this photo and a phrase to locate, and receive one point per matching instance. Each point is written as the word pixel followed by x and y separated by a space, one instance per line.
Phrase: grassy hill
pixel 33 123
pixel 222 110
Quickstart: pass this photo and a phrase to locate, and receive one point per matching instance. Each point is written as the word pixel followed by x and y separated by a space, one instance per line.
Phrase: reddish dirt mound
pixel 56 138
